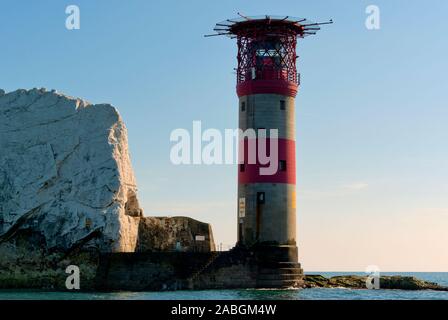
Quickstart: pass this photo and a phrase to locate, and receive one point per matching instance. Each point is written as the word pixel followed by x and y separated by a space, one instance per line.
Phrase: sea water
pixel 254 294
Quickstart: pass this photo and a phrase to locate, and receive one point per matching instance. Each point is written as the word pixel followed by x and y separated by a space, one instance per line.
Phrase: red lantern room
pixel 267 52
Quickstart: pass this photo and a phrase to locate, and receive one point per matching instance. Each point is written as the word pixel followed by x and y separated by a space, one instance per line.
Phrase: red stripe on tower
pixel 285 88
pixel 285 162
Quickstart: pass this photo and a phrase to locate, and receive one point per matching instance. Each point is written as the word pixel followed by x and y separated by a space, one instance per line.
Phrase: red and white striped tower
pixel 267 84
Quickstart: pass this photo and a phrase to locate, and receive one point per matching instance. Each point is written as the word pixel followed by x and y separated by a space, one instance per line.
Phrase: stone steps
pixel 281 270
pixel 280 275
pixel 280 265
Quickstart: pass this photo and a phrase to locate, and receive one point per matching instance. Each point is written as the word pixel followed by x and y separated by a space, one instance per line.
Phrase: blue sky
pixel 371 113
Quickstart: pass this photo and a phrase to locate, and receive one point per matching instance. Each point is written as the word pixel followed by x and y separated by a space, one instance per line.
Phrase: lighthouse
pixel 267 84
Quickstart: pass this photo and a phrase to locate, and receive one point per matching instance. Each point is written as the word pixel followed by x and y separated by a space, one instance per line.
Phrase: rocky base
pixel 43 270
pixel 152 271
pixel 359 282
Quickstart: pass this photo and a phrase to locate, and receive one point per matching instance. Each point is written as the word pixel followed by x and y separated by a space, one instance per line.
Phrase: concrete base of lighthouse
pixel 278 266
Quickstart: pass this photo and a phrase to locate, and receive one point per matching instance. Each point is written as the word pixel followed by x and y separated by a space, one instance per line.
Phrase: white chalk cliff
pixel 65 173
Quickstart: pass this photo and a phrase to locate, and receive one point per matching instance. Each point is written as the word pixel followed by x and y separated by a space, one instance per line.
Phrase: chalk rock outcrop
pixel 65 174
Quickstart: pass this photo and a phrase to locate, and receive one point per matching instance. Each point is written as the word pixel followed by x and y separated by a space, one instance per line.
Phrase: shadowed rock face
pixel 65 174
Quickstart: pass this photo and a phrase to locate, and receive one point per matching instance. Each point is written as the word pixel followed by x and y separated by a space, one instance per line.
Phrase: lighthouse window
pixel 282 165
pixel 243 106
pixel 282 105
pixel 242 167
pixel 260 198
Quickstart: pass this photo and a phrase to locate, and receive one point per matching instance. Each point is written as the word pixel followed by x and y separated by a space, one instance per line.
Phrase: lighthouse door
pixel 259 212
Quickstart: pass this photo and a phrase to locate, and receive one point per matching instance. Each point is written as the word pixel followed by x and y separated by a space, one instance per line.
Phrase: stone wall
pixel 182 234
pixel 154 271
pixel 151 271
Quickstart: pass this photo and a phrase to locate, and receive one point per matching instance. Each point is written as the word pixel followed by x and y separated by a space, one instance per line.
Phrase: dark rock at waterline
pixel 359 282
